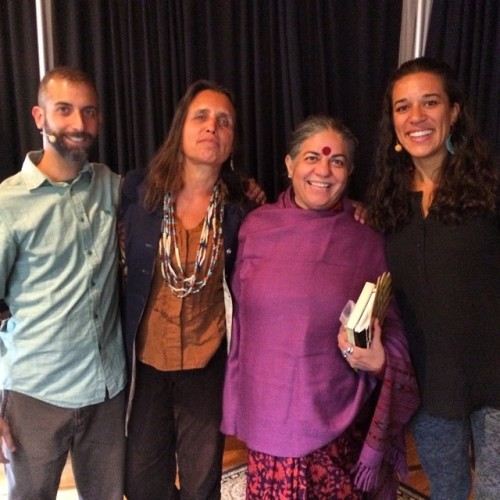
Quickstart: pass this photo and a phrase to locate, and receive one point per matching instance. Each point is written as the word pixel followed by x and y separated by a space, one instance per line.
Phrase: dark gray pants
pixel 44 435
pixel 175 421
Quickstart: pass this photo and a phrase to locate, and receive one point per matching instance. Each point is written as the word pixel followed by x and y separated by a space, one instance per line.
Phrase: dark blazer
pixel 142 233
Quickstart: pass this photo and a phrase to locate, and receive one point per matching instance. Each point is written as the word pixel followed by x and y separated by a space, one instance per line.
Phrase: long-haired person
pixel 180 222
pixel 435 195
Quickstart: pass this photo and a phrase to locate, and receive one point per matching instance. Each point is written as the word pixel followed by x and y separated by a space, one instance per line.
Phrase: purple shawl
pixel 288 391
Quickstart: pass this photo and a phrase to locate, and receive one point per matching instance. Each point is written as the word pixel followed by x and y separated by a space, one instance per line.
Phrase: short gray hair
pixel 317 123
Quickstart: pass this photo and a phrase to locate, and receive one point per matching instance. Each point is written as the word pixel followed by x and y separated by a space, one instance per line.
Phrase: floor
pixel 234 455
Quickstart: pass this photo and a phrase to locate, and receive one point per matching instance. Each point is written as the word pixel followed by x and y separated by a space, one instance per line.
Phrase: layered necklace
pixel 171 266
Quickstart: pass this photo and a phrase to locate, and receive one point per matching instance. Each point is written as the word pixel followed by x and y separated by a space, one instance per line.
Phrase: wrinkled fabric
pixel 288 389
pixel 58 276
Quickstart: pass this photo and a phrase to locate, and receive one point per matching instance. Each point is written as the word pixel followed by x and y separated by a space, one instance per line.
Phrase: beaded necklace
pixel 171 266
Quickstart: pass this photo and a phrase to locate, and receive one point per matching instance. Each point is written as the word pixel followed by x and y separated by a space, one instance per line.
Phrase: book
pixel 372 302
pixel 357 312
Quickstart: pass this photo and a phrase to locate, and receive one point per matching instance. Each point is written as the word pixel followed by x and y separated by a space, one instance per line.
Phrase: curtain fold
pixel 282 59
pixel 467 35
pixel 19 79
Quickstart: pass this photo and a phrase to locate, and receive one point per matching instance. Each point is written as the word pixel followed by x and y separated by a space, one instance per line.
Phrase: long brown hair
pixel 165 169
pixel 469 183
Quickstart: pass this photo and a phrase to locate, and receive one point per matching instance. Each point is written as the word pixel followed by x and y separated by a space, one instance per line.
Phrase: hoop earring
pixel 449 146
pixel 231 163
pixel 398 148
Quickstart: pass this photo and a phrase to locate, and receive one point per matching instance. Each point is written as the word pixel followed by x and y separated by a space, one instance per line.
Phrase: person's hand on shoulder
pixel 359 211
pixel 254 192
pixel 371 359
pixel 6 439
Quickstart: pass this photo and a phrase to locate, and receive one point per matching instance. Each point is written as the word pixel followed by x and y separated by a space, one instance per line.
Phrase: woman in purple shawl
pixel 315 427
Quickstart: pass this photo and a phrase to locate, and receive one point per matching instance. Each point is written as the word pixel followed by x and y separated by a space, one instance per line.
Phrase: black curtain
pixel 283 59
pixel 19 77
pixel 466 34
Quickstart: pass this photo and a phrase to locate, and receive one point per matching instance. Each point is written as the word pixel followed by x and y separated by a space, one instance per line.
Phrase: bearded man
pixel 61 350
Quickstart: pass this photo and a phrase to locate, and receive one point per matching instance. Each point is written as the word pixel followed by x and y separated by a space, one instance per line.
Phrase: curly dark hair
pixel 165 169
pixel 469 184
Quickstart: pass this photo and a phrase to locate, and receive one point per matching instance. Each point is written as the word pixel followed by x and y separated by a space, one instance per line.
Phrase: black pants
pixel 175 422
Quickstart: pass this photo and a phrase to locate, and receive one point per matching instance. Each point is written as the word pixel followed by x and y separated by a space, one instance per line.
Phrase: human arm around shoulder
pixel 359 211
pixel 254 192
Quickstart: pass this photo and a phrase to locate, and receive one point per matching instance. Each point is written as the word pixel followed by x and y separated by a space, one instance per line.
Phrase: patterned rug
pixel 234 484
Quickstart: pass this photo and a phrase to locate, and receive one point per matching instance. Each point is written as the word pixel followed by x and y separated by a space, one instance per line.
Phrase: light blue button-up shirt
pixel 59 277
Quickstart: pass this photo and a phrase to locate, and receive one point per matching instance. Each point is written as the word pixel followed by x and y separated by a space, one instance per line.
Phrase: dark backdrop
pixel 283 59
pixel 19 79
pixel 466 34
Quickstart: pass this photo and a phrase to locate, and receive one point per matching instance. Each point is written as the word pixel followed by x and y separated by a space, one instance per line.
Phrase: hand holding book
pixel 372 302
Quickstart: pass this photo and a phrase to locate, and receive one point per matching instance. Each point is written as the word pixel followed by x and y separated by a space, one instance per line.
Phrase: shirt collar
pixel 34 178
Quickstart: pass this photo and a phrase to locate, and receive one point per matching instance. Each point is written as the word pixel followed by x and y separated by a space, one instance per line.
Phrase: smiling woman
pixel 320 161
pixel 437 199
pixel 320 172
pixel 423 118
pixel 289 394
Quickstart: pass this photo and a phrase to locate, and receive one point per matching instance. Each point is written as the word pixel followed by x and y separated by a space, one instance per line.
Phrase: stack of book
pixel 372 302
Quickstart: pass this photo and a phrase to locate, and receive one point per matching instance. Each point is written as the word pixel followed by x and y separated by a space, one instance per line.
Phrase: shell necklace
pixel 171 266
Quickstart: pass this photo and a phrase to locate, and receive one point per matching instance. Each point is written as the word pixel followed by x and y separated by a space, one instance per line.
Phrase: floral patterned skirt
pixel 324 474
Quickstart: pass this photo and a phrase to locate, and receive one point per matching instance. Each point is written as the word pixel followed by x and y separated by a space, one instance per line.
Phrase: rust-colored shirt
pixel 183 333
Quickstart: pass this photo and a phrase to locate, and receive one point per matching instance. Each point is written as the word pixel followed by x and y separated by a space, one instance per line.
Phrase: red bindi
pixel 326 150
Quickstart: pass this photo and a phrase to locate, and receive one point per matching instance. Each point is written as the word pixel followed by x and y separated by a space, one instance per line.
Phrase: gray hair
pixel 318 123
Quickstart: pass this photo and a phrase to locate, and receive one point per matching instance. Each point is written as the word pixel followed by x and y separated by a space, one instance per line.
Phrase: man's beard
pixel 73 153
